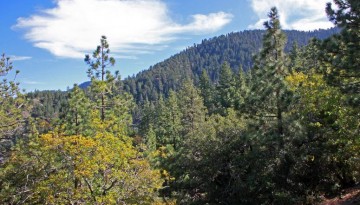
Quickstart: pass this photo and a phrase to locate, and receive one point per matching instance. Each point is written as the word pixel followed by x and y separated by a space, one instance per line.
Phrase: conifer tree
pixel 98 63
pixel 207 91
pixel 174 116
pixel 241 90
pixel 151 140
pixel 161 122
pixel 77 117
pixel 226 88
pixel 342 54
pixel 12 106
pixel 113 104
pixel 192 109
pixel 270 96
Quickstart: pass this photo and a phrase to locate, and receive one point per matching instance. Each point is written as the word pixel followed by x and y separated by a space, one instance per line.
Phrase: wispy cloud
pixel 74 27
pixel 125 57
pixel 294 14
pixel 20 58
pixel 29 82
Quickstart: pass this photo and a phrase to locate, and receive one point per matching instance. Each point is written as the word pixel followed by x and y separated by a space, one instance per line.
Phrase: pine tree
pixel 12 106
pixel 191 128
pixel 98 63
pixel 269 127
pixel 226 88
pixel 241 90
pixel 207 91
pixel 342 54
pixel 114 105
pixel 174 119
pixel 151 142
pixel 270 96
pixel 77 117
pixel 192 109
pixel 168 121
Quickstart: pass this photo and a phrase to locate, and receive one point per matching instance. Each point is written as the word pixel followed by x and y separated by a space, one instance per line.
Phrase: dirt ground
pixel 351 196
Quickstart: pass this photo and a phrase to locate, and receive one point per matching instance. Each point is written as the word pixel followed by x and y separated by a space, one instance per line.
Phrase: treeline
pixel 237 49
pixel 285 131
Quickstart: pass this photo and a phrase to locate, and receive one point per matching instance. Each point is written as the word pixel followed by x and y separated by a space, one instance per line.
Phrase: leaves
pixel 103 169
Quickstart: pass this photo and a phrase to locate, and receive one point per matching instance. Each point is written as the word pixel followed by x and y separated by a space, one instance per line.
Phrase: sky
pixel 48 39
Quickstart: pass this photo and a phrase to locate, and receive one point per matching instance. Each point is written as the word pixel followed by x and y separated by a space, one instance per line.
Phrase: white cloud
pixel 74 27
pixel 294 14
pixel 19 58
pixel 29 82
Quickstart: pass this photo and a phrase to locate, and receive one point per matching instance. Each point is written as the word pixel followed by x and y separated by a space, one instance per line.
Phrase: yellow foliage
pixel 103 169
pixel 162 202
pixel 313 91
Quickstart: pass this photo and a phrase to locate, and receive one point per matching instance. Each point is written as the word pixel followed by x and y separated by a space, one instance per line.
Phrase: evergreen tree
pixel 98 63
pixel 270 96
pixel 241 90
pixel 147 117
pixel 192 109
pixel 226 88
pixel 207 91
pixel 270 123
pixel 12 107
pixel 11 100
pixel 343 50
pixel 113 104
pixel 77 117
pixel 192 130
pixel 174 116
pixel 151 140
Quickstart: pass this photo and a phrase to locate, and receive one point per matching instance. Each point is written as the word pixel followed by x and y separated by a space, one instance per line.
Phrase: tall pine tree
pixel 270 96
pixel 98 63
pixel 342 54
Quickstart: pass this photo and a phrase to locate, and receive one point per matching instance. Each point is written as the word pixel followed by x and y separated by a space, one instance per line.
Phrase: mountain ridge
pixel 235 48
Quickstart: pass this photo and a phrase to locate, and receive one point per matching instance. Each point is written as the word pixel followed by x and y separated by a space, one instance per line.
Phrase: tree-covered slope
pixel 236 48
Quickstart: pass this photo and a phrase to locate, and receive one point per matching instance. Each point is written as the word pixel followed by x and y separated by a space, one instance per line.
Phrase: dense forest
pixel 237 49
pixel 256 117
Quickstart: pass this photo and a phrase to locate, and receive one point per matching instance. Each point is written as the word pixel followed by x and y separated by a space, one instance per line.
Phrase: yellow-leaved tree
pixel 55 169
pixel 327 146
pixel 88 159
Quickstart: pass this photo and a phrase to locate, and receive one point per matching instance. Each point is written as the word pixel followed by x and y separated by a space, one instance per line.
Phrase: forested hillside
pixel 284 130
pixel 237 49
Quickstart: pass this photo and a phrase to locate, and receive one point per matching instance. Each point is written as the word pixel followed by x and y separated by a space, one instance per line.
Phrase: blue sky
pixel 47 39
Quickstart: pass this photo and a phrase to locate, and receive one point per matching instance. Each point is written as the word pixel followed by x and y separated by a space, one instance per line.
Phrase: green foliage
pixel 289 146
pixel 323 151
pixel 100 77
pixel 11 100
pixel 100 60
pixel 192 109
pixel 207 91
pixel 77 119
pixel 46 107
pixel 237 49
pixel 87 158
pixel 271 96
pixel 226 88
pixel 284 132
pixel 13 107
pixel 342 56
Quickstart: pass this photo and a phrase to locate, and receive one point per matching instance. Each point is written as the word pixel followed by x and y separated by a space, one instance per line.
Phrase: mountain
pixel 84 84
pixel 237 48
